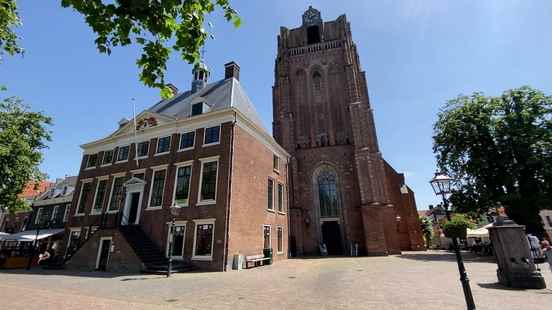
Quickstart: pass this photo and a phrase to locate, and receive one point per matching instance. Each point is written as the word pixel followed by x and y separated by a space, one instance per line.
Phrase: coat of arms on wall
pixel 146 122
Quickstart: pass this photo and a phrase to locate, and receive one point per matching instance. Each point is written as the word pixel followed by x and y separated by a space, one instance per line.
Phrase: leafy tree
pixel 457 226
pixel 9 20
pixel 159 26
pixel 427 230
pixel 498 149
pixel 23 134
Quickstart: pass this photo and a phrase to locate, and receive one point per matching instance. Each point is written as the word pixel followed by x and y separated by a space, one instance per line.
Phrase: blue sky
pixel 416 53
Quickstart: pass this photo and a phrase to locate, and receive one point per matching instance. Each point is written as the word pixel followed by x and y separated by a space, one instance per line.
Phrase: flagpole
pixel 135 144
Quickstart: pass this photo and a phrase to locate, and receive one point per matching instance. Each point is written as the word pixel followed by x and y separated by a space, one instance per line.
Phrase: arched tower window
pixel 317 81
pixel 327 192
pixel 313 35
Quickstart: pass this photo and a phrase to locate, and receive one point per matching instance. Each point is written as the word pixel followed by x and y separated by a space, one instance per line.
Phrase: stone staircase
pixel 152 257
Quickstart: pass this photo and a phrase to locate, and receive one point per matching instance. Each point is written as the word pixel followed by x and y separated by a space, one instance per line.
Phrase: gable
pixel 144 120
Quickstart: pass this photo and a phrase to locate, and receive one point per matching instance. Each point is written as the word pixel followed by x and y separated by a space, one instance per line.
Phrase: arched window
pixel 313 35
pixel 317 81
pixel 327 192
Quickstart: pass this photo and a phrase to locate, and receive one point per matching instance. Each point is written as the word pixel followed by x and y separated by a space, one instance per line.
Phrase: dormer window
pixel 197 108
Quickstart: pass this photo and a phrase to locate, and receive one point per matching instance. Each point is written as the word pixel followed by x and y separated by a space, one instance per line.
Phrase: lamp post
pixel 174 213
pixel 441 184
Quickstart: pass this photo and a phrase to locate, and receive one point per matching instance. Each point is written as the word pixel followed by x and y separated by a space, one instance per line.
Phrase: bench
pixel 257 260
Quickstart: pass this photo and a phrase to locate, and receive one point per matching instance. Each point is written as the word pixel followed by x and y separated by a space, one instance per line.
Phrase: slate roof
pixel 218 95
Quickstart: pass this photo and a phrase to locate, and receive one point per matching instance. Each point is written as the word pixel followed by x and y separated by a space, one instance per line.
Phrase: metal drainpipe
pixel 228 195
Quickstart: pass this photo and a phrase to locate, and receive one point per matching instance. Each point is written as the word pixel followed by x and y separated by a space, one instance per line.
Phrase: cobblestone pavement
pixel 414 280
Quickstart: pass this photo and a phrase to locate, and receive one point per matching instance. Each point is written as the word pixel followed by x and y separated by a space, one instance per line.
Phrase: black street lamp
pixel 441 184
pixel 174 213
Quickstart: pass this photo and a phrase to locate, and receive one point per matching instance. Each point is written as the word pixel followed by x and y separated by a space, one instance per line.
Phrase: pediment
pixel 144 121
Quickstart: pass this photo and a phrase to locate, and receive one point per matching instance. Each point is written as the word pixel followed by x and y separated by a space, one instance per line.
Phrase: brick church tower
pixel 342 192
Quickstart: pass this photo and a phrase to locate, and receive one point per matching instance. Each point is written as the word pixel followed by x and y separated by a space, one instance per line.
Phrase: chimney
pixel 232 70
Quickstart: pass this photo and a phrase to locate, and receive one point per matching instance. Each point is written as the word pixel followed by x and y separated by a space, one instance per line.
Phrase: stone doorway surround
pixel 132 186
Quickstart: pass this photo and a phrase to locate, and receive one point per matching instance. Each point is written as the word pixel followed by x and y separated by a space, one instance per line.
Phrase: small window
pixel 208 181
pixel 197 108
pixel 212 135
pixel 107 157
pixel 280 197
pixel 163 145
pixel 270 194
pixel 157 188
pixel 266 237
pixel 92 160
pixel 122 155
pixel 187 140
pixel 204 240
pixel 276 163
pixel 143 149
pixel 280 246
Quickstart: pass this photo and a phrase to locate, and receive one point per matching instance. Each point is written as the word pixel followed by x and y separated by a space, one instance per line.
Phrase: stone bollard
pixel 515 266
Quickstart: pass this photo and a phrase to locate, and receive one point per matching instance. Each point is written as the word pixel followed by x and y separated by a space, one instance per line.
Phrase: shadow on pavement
pixel 498 286
pixel 63 272
pixel 447 256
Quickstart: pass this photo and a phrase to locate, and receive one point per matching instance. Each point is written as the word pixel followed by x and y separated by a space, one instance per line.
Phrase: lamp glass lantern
pixel 441 183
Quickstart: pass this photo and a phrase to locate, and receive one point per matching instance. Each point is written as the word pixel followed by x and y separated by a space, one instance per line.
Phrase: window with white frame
pixel 143 149
pixel 212 135
pixel 182 185
pixel 66 213
pixel 203 239
pixel 270 194
pixel 56 215
pixel 197 108
pixel 266 237
pixel 84 196
pixel 99 197
pixel 163 145
pixel 122 154
pixel 187 140
pixel 280 245
pixel 157 188
pixel 276 163
pixel 38 217
pixel 92 161
pixel 280 197
pixel 107 157
pixel 208 182
pixel 117 194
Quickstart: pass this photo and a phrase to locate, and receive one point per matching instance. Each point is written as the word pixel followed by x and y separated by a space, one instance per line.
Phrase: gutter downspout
pixel 229 195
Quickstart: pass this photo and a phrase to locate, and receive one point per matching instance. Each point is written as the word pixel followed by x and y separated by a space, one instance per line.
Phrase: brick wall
pixel 251 167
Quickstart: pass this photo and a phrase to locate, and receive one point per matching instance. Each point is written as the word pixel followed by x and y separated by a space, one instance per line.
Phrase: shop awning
pixel 30 235
pixel 3 235
pixel 479 232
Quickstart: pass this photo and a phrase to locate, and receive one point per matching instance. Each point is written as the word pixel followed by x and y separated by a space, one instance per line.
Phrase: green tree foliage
pixel 457 226
pixel 427 230
pixel 499 149
pixel 9 20
pixel 23 135
pixel 159 26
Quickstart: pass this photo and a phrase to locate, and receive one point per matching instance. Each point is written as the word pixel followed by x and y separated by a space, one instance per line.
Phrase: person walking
pixel 547 252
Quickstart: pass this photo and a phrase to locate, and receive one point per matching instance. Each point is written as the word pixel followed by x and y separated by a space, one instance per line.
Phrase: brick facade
pixel 323 118
pixel 244 155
